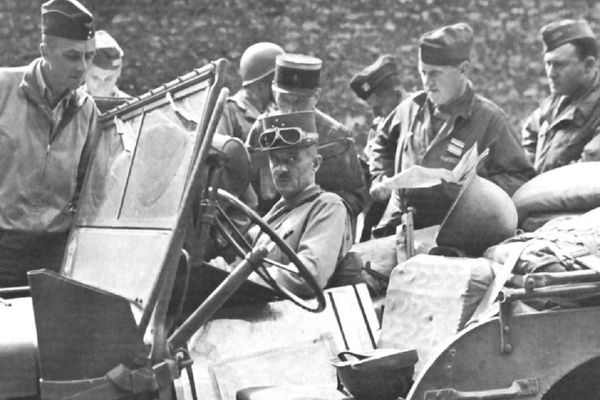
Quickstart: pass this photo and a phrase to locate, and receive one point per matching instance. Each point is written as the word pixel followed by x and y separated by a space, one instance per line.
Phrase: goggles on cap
pixel 289 136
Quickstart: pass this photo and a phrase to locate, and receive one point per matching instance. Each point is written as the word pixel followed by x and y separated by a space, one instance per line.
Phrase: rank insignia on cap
pixel 366 82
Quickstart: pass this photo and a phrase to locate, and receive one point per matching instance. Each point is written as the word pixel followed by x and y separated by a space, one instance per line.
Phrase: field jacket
pixel 402 142
pixel 560 131
pixel 316 225
pixel 41 163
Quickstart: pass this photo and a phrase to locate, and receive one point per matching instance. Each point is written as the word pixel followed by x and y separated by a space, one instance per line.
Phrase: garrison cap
pixel 297 73
pixel 302 122
pixel 67 19
pixel 109 54
pixel 365 82
pixel 555 34
pixel 449 45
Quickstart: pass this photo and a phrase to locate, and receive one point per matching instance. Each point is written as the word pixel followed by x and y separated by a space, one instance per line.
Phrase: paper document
pixel 418 177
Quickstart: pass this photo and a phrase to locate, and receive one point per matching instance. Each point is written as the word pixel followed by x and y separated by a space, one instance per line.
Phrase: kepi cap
pixel 449 45
pixel 67 19
pixel 297 73
pixel 109 54
pixel 302 121
pixel 365 82
pixel 555 34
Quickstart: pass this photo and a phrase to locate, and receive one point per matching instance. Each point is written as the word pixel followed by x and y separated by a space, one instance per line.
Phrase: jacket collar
pixel 459 107
pixel 285 205
pixel 578 110
pixel 587 103
pixel 35 87
pixel 243 101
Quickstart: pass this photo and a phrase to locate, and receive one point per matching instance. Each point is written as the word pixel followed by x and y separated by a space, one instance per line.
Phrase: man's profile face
pixel 102 82
pixel 442 83
pixel 293 169
pixel 66 61
pixel 564 70
pixel 294 102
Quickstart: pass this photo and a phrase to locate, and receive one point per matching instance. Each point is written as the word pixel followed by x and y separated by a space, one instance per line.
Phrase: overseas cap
pixel 365 82
pixel 449 45
pixel 555 34
pixel 280 131
pixel 297 73
pixel 67 19
pixel 109 54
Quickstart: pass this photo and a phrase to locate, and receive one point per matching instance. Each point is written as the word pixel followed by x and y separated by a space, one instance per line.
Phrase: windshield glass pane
pixel 141 165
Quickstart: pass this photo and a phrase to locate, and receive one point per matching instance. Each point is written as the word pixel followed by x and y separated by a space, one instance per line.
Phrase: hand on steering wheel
pixel 227 228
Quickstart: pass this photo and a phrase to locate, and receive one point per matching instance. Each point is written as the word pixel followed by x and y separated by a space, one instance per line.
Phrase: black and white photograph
pixel 299 199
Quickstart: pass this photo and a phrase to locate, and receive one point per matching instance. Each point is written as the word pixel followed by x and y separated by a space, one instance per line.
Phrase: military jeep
pixel 116 322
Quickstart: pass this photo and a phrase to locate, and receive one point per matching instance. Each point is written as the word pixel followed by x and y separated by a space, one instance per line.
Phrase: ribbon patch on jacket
pixel 455 147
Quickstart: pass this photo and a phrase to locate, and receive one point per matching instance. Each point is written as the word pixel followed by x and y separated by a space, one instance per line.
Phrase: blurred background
pixel 163 39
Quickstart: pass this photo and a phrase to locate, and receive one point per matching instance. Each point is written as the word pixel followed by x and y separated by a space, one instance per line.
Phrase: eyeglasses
pixel 289 136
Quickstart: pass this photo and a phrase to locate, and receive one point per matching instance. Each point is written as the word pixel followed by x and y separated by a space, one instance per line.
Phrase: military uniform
pixel 376 82
pixel 407 137
pixel 328 129
pixel 44 152
pixel 316 225
pixel 562 129
pixel 557 133
pixel 239 114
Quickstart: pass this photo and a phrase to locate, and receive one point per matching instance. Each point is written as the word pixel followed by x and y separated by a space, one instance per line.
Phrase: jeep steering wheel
pixel 227 228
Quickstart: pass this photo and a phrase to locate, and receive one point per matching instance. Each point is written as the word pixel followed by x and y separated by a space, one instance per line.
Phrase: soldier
pixel 101 77
pixel 47 133
pixel 313 222
pixel 560 130
pixel 296 88
pixel 433 128
pixel 378 85
pixel 257 67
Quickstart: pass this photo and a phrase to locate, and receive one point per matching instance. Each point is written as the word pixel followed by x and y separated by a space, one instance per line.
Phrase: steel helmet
pixel 481 216
pixel 258 61
pixel 379 374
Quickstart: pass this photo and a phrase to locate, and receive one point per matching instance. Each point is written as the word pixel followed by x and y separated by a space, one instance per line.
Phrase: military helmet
pixel 481 216
pixel 379 374
pixel 258 61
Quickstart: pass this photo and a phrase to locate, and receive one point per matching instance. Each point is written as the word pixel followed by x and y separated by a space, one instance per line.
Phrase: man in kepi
pixel 105 70
pixel 379 86
pixel 296 88
pixel 313 222
pixel 435 127
pixel 561 130
pixel 257 67
pixel 47 132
